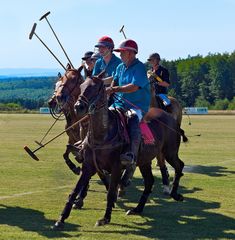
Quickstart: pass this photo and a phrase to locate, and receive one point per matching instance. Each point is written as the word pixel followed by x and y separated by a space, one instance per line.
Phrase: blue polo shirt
pixel 110 68
pixel 135 74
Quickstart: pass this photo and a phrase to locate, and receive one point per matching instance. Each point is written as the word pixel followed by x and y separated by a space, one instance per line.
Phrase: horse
pixel 175 110
pixel 104 144
pixel 66 91
pixel 64 100
pixel 65 95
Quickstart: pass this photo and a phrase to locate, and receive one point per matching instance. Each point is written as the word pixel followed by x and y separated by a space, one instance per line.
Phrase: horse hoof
pixel 133 211
pixel 102 222
pixel 177 197
pixel 78 204
pixel 58 226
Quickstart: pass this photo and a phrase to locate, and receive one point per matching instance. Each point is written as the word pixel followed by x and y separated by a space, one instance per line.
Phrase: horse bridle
pixel 92 105
pixel 70 90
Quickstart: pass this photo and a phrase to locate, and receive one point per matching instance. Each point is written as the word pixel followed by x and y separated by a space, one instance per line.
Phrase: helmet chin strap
pixel 108 52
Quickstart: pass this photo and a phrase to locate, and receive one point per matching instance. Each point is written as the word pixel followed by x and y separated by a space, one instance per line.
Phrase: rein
pixel 70 94
pixel 125 100
pixel 93 108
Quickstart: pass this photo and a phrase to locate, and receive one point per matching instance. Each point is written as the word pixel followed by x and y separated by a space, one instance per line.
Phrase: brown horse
pixel 175 110
pixel 64 97
pixel 104 144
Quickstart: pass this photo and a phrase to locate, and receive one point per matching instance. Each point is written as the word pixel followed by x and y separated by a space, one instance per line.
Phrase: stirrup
pixel 127 158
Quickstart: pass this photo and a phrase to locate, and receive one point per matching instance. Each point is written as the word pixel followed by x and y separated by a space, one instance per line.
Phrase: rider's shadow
pixel 32 221
pixel 168 219
pixel 212 171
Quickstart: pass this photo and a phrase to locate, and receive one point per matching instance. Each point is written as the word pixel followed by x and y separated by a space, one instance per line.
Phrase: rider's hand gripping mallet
pixel 45 16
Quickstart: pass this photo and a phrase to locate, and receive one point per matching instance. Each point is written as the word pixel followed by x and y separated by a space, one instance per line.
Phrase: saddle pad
pixel 146 133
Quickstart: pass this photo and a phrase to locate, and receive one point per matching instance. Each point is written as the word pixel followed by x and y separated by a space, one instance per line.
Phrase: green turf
pixel 33 194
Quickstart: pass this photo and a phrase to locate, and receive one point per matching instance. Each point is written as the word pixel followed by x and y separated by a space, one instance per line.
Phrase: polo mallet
pixel 34 33
pixel 32 153
pixel 45 16
pixel 122 31
pixel 40 143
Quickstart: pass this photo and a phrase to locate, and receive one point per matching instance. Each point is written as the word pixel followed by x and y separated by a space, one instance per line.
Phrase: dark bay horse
pixel 104 144
pixel 65 96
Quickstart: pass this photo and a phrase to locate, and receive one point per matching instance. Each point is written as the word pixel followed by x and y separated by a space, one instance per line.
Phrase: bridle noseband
pixel 93 104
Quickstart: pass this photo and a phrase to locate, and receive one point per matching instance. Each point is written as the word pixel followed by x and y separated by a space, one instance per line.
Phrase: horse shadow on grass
pixel 31 220
pixel 164 218
pixel 212 171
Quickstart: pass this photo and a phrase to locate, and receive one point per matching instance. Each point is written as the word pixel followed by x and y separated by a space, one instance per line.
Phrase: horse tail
pixel 185 139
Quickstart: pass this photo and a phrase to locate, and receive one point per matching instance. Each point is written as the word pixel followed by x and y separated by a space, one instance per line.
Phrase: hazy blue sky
pixel 173 28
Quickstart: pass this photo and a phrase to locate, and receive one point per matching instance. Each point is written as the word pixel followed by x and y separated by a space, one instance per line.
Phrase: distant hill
pixel 28 72
pixel 30 92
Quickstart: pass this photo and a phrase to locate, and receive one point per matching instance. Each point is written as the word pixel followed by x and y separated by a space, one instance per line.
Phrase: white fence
pixel 195 110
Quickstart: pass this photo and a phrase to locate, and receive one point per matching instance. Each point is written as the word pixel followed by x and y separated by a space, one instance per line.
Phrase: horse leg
pixel 147 174
pixel 76 170
pixel 78 203
pixel 164 172
pixel 178 165
pixel 82 182
pixel 111 195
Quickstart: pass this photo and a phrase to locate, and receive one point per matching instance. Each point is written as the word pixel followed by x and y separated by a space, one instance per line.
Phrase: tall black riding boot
pixel 129 158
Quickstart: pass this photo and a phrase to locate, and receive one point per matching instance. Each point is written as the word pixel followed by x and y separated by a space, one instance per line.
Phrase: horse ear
pixel 80 68
pixel 59 75
pixel 68 66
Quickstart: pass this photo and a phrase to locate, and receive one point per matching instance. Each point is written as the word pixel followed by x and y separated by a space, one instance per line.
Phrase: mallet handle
pixel 76 123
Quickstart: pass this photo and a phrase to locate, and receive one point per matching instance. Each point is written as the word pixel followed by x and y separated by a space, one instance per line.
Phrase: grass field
pixel 33 194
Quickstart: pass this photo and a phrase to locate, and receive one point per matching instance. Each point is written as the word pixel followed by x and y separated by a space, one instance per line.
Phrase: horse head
pixel 92 97
pixel 68 88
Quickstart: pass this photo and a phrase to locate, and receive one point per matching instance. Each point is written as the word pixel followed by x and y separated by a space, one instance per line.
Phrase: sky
pixel 173 28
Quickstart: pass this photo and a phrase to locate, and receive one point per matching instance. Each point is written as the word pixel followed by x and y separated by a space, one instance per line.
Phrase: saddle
pixel 146 132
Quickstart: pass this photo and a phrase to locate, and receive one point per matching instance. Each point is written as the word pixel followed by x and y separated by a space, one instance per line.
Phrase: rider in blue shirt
pixel 131 83
pixel 135 74
pixel 107 62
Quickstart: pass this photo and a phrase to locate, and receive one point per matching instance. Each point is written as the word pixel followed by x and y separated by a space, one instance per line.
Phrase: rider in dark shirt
pixel 160 77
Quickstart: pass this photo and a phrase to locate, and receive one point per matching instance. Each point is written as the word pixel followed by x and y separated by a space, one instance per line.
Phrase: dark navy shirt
pixel 164 75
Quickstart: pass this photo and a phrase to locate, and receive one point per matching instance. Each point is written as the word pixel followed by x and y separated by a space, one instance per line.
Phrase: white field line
pixel 61 187
pixel 192 166
pixel 28 193
pixel 222 162
pixel 40 191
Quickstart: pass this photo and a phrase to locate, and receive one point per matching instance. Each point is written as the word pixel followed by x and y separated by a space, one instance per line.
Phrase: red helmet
pixel 127 44
pixel 105 41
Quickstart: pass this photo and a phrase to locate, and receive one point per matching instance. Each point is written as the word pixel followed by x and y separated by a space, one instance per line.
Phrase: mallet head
pixel 121 29
pixel 31 154
pixel 32 31
pixel 44 16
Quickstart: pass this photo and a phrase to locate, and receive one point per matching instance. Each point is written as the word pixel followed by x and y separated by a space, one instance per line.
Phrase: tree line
pixel 195 81
pixel 203 81
pixel 25 93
